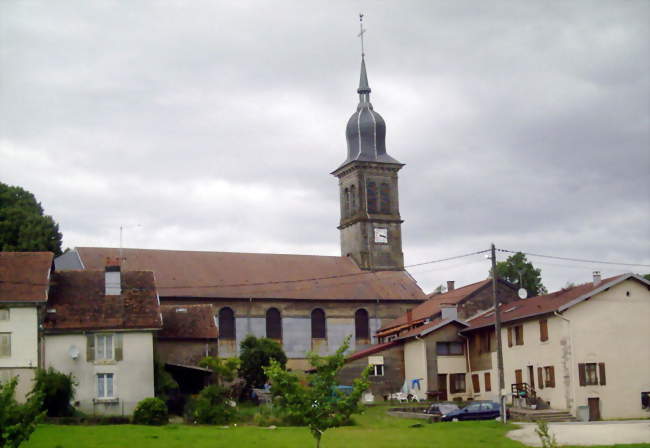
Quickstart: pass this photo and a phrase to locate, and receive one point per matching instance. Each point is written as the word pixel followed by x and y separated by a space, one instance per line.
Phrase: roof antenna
pixel 361 32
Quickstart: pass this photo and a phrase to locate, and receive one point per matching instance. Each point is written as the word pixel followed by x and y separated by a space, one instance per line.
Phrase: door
pixel 442 387
pixel 594 409
pixel 518 376
pixel 531 376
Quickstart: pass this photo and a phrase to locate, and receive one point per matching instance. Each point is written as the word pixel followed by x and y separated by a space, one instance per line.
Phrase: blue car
pixel 479 410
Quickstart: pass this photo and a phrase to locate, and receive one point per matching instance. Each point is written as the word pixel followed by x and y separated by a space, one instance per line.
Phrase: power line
pixel 579 260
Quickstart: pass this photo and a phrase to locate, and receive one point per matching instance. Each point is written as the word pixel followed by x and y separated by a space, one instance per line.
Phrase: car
pixel 479 410
pixel 441 408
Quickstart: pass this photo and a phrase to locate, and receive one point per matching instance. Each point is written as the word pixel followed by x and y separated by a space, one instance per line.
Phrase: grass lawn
pixel 374 429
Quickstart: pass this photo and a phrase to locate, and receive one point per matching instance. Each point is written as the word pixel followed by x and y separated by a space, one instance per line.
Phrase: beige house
pixel 99 326
pixel 24 281
pixel 583 349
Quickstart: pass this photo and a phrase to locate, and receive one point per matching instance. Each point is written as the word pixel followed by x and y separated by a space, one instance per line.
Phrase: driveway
pixel 587 433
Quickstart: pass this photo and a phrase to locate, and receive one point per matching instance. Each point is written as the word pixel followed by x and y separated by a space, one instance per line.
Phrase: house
pixel 582 349
pixel 24 284
pixel 99 326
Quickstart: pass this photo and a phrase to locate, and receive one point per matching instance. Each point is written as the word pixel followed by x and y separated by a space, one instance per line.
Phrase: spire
pixel 363 80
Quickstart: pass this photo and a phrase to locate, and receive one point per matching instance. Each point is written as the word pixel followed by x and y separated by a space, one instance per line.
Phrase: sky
pixel 213 125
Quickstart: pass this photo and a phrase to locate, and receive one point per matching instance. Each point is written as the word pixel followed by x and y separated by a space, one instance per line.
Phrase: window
pixel 384 198
pixel 516 333
pixel 273 324
pixel 377 364
pixel 318 328
pixel 104 347
pixel 4 313
pixel 5 344
pixel 543 330
pixel 549 374
pixel 361 326
pixel 540 377
pixel 346 203
pixel 456 383
pixel 371 188
pixel 353 199
pixel 645 400
pixel 476 407
pixel 476 385
pixel 592 374
pixel 449 348
pixel 104 385
pixel 488 382
pixel 226 323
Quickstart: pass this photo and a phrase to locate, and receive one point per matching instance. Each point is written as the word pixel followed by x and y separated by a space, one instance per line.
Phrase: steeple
pixel 363 79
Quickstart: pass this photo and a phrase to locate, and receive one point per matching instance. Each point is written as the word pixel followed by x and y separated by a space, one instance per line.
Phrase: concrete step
pixel 547 415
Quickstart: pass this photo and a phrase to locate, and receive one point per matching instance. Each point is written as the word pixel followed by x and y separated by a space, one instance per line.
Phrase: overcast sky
pixel 215 125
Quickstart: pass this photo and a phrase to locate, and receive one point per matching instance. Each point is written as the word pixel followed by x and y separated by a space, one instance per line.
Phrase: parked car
pixel 480 410
pixel 441 408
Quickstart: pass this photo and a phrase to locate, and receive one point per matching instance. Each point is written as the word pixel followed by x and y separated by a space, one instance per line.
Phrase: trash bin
pixel 582 413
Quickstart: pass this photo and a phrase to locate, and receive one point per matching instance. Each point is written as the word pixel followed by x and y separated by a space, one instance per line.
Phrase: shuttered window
pixel 488 381
pixel 103 347
pixel 540 377
pixel 371 192
pixel 226 323
pixel 476 385
pixel 509 336
pixel 5 344
pixel 543 330
pixel 273 324
pixel 384 198
pixel 318 329
pixel 361 325
pixel 549 373
pixel 588 374
pixel 456 383
pixel 601 373
pixel 519 335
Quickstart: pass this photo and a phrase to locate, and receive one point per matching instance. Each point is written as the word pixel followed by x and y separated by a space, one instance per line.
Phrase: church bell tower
pixel 370 226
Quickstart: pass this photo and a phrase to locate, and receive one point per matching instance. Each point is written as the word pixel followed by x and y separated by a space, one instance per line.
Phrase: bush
pixel 212 406
pixel 266 417
pixel 17 421
pixel 256 353
pixel 57 390
pixel 151 411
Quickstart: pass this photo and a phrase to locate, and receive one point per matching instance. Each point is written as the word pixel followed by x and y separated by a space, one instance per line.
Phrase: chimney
pixel 449 311
pixel 112 277
pixel 450 285
pixel 596 278
pixel 409 316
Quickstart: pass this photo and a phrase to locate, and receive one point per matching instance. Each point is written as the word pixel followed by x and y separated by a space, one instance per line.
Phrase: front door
pixel 442 387
pixel 594 409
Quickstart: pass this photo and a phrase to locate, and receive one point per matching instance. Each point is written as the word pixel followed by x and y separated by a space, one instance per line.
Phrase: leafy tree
pixel 23 227
pixel 255 354
pixel 647 277
pixel 319 404
pixel 440 289
pixel 224 370
pixel 57 391
pixel 17 421
pixel 516 267
pixel 164 384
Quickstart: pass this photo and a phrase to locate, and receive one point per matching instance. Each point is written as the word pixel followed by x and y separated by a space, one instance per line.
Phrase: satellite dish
pixel 522 293
pixel 73 351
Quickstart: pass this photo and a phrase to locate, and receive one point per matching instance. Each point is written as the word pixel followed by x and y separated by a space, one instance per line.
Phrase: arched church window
pixel 273 324
pixel 318 329
pixel 384 198
pixel 361 326
pixel 346 203
pixel 226 323
pixel 353 199
pixel 371 188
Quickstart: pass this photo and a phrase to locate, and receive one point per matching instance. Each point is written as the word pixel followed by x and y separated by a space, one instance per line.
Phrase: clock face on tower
pixel 381 235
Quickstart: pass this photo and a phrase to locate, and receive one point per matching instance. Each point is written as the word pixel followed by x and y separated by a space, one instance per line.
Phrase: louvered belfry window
pixel 226 323
pixel 361 324
pixel 371 192
pixel 273 324
pixel 318 330
pixel 384 197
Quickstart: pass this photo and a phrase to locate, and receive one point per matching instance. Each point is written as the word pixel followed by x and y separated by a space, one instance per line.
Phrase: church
pixel 305 302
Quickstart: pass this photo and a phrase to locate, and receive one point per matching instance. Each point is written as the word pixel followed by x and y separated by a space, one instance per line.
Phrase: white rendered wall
pixel 22 363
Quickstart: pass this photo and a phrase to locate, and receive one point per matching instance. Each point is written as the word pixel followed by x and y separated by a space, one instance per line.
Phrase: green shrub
pixel 212 406
pixel 265 416
pixel 17 421
pixel 57 390
pixel 151 411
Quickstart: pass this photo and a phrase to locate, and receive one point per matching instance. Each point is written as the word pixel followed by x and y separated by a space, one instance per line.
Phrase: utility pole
pixel 497 329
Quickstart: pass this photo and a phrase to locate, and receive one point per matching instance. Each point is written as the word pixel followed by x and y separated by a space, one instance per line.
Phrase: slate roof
pixel 259 276
pixel 79 299
pixel 432 306
pixel 188 322
pixel 549 303
pixel 24 276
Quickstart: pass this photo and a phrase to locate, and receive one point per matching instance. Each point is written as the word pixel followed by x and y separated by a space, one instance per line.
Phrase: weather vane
pixel 363 54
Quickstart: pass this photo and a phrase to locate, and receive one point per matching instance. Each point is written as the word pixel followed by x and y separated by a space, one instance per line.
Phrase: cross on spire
pixel 361 32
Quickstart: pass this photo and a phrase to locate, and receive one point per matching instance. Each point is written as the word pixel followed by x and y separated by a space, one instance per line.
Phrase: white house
pixel 99 326
pixel 24 282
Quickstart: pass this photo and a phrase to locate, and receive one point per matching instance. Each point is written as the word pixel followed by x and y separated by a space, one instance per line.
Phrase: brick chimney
pixel 449 311
pixel 113 277
pixel 597 278
pixel 450 285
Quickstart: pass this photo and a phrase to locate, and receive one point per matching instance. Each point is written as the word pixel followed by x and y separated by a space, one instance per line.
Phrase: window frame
pixel 221 319
pixel 448 348
pixel 105 337
pixel 8 344
pixel 519 334
pixel 6 312
pixel 361 321
pixel 543 330
pixel 454 381
pixel 315 334
pixel 103 385
pixel 591 374
pixel 273 326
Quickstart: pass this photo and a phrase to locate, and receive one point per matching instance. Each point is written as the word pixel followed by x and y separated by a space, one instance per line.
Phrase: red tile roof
pixel 432 306
pixel 540 305
pixel 188 322
pixel 79 301
pixel 245 275
pixel 371 350
pixel 24 276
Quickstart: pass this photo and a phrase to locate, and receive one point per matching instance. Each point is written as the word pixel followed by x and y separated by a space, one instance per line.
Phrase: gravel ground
pixel 588 433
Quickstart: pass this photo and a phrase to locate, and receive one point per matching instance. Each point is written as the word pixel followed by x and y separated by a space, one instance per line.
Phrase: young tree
pixel 224 369
pixel 517 268
pixel 320 404
pixel 23 227
pixel 17 421
pixel 255 354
